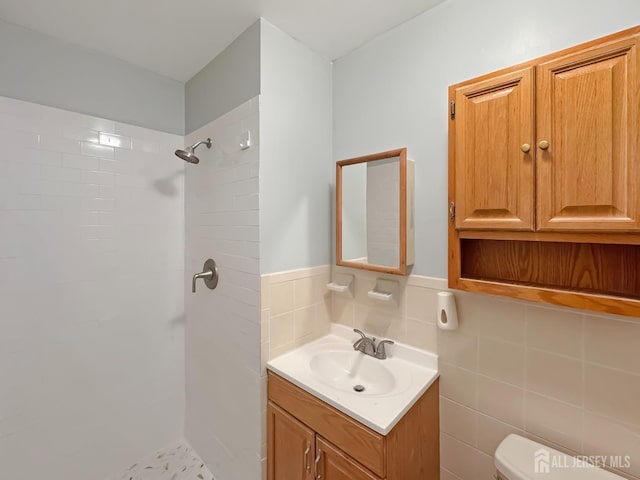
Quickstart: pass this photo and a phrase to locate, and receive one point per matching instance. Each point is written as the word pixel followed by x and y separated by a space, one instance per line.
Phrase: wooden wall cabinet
pixel 494 181
pixel 308 439
pixel 544 178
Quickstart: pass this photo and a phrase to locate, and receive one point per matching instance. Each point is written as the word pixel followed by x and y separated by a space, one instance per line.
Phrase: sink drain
pixel 359 388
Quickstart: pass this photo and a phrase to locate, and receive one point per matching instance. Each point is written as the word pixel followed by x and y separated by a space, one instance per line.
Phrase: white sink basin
pixel 330 368
pixel 347 370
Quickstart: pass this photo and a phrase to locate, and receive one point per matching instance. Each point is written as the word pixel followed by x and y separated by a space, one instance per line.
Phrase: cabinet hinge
pixel 452 211
pixel 452 110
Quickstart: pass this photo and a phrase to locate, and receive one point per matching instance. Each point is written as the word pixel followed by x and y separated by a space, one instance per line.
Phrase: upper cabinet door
pixel 494 152
pixel 587 139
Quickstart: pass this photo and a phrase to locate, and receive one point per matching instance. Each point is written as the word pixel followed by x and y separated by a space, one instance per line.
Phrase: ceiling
pixel 177 38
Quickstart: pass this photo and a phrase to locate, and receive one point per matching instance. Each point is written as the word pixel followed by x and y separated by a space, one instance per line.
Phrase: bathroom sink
pixel 352 371
pixel 375 392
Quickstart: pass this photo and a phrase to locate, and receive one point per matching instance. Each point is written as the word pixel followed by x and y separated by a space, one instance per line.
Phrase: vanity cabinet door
pixel 290 447
pixel 494 159
pixel 588 169
pixel 333 464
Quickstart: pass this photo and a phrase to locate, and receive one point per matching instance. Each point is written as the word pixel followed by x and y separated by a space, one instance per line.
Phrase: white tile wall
pixel 223 326
pixel 91 295
pixel 565 378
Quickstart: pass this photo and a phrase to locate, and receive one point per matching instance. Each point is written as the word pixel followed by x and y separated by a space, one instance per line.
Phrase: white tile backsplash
pixel 91 299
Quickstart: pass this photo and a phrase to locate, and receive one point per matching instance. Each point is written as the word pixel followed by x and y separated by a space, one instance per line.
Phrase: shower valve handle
pixel 197 276
pixel 209 274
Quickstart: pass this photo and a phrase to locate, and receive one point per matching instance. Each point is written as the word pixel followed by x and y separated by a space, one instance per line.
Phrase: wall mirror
pixel 374 212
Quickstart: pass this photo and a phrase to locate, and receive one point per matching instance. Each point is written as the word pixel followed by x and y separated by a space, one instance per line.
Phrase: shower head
pixel 188 154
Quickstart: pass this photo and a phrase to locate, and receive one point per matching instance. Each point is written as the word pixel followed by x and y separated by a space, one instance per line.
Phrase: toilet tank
pixel 518 458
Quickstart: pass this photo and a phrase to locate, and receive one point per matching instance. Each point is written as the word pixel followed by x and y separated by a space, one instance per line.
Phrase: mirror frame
pixel 402 261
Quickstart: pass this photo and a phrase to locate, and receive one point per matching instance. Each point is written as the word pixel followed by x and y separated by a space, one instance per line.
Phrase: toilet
pixel 518 458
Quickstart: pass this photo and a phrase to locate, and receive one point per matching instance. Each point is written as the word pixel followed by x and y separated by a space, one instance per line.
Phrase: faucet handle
pixel 360 332
pixel 364 344
pixel 380 350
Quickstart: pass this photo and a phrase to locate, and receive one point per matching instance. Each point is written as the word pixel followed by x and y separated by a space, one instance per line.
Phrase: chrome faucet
pixel 365 344
pixel 368 346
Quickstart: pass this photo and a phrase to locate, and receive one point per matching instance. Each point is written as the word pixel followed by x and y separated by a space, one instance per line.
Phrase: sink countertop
pixel 413 371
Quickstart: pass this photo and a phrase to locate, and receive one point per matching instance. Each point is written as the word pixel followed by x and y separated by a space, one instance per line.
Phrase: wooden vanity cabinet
pixel 291 446
pixel 307 439
pixel 544 178
pixel 334 464
pixel 293 449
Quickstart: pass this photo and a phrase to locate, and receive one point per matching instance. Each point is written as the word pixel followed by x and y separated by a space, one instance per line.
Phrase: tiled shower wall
pixel 223 326
pixel 91 296
pixel 566 378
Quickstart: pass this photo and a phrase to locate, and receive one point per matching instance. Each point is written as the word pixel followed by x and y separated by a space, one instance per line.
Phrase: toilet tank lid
pixel 518 458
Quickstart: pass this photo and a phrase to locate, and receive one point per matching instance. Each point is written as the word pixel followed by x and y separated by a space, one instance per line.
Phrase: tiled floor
pixel 177 462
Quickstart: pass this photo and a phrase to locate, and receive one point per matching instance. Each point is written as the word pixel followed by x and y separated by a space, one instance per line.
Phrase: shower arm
pixel 207 142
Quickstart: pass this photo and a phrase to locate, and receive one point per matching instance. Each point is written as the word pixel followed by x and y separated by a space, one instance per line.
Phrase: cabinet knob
pixel 525 147
pixel 543 144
